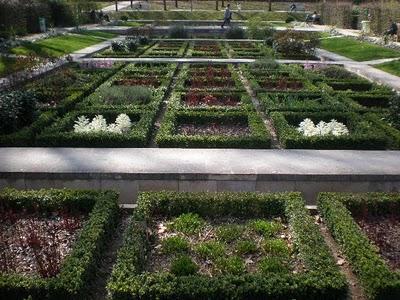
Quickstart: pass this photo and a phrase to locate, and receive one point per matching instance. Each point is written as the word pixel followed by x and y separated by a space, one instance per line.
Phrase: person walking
pixel 227 16
pixel 393 29
pixel 293 7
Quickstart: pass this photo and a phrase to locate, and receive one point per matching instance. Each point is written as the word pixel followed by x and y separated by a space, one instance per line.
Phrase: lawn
pixel 357 50
pixel 392 67
pixel 61 45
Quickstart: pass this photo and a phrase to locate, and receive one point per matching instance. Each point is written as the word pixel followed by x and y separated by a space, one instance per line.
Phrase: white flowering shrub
pixel 308 128
pixel 99 124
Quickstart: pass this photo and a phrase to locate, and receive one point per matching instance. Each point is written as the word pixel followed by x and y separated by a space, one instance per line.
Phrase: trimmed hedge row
pixel 167 136
pixel 61 133
pixel 163 51
pixel 364 133
pixel 77 268
pixel 130 280
pixel 374 274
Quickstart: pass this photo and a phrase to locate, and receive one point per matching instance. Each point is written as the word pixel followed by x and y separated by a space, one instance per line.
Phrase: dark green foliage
pixel 131 45
pixel 245 247
pixel 295 44
pixel 17 109
pixel 210 250
pixel 277 247
pixel 394 107
pixel 265 64
pixel 178 32
pixel 188 223
pixel 229 233
pixel 124 95
pixel 336 72
pixel 174 244
pixel 233 265
pixel 265 228
pixel 376 278
pixel 270 265
pixel 235 33
pixel 118 46
pixel 183 266
pixel 124 18
pixel 78 267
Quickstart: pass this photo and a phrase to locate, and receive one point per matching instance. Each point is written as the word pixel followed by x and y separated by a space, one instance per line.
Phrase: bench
pixel 299 7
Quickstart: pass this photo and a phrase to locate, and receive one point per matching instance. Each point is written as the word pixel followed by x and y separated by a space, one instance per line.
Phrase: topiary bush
pixel 118 46
pixel 295 44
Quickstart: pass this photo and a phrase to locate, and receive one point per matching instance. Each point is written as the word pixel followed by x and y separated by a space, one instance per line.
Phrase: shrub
pixel 235 33
pixel 245 247
pixel 265 64
pixel 257 29
pixel 125 94
pixel 290 19
pixel 188 223
pixel 295 44
pixel 124 18
pixel 174 244
pixel 229 233
pixel 17 109
pixel 231 265
pixel 118 46
pixel 143 40
pixel 394 107
pixel 265 228
pixel 178 32
pixel 210 249
pixel 184 266
pixel 131 45
pixel 336 72
pixel 270 265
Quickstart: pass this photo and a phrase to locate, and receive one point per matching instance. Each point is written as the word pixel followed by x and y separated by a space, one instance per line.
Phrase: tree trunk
pixel 269 5
pixel 165 4
pixel 131 3
pixel 216 4
pixel 222 4
pixel 176 3
pixel 116 5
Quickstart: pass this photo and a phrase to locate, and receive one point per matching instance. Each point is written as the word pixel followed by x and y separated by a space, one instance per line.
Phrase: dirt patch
pixel 214 129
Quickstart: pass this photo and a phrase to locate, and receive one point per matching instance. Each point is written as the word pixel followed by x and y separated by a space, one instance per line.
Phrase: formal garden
pixel 134 83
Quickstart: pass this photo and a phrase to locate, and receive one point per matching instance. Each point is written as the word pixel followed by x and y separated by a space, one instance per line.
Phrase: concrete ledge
pixel 130 171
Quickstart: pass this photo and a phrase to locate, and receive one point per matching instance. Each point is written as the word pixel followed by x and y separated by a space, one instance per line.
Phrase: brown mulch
pixel 384 232
pixel 214 129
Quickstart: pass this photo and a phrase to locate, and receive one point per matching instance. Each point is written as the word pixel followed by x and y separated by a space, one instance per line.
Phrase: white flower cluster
pixel 99 124
pixel 308 128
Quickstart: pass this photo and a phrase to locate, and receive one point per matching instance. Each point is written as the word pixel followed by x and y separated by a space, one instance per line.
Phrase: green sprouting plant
pixel 229 233
pixel 210 249
pixel 277 247
pixel 265 64
pixel 245 247
pixel 272 265
pixel 184 266
pixel 188 223
pixel 265 228
pixel 174 244
pixel 126 94
pixel 231 265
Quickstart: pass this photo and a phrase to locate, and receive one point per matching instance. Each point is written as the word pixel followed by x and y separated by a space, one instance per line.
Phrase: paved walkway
pixel 121 5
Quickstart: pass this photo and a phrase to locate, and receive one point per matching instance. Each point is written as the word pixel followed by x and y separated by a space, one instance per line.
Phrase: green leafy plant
pixel 265 228
pixel 265 64
pixel 245 247
pixel 229 232
pixel 184 266
pixel 231 265
pixel 277 247
pixel 270 265
pixel 295 44
pixel 125 95
pixel 174 244
pixel 394 106
pixel 189 223
pixel 210 249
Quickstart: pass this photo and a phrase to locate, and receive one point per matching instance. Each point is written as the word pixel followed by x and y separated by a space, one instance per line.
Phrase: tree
pixel 269 5
pixel 165 4
pixel 116 5
pixel 176 3
pixel 216 4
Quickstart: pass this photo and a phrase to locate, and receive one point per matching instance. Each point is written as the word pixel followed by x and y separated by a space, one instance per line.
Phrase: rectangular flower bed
pixel 362 133
pixel 370 101
pixel 302 101
pixel 209 100
pixel 140 49
pixel 52 240
pixel 246 50
pixel 215 129
pixel 206 49
pixel 61 133
pixel 166 49
pixel 366 227
pixel 224 246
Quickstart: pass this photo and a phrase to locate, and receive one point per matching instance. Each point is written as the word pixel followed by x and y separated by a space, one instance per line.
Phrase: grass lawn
pixel 357 50
pixel 61 45
pixel 392 67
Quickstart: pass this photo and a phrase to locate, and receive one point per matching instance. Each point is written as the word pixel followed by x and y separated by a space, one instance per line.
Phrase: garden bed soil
pixel 193 99
pixel 214 129
pixel 209 82
pixel 35 244
pixel 384 232
pixel 139 81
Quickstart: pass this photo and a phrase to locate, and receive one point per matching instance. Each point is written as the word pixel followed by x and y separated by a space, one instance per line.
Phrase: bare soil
pixel 214 129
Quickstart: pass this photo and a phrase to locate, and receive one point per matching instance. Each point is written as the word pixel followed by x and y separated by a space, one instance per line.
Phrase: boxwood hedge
pixel 378 281
pixel 321 280
pixel 167 137
pixel 77 268
pixel 364 133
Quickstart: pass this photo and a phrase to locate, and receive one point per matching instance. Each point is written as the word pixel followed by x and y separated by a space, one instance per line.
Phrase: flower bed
pixel 61 133
pixel 246 50
pixel 256 134
pixel 225 265
pixel 365 226
pixel 136 52
pixel 363 134
pixel 370 102
pixel 53 253
pixel 166 49
pixel 206 49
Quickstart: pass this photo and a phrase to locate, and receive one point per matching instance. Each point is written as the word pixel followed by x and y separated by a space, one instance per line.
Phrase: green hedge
pixel 130 280
pixel 391 132
pixel 61 133
pixel 364 133
pixel 78 267
pixel 167 136
pixel 374 274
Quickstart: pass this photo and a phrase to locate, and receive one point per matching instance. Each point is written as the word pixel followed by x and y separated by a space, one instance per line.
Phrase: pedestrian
pixel 227 16
pixel 239 7
pixel 293 7
pixel 393 29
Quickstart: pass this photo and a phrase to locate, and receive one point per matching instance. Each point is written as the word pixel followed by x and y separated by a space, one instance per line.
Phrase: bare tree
pixel 116 5
pixel 165 4
pixel 176 3
pixel 269 5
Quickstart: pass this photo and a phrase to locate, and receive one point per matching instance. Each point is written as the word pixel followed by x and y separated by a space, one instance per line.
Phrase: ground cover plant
pixel 357 50
pixel 131 46
pixel 247 50
pixel 366 227
pixel 63 44
pixel 225 246
pixel 363 133
pixel 213 129
pixel 392 67
pixel 51 241
pixel 167 49
pixel 206 49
